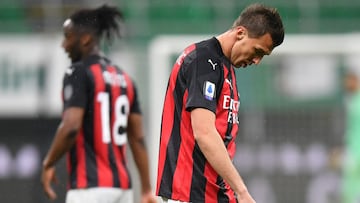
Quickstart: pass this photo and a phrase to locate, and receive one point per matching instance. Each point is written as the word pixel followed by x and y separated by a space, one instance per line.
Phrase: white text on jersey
pixel 114 79
pixel 234 106
pixel 231 104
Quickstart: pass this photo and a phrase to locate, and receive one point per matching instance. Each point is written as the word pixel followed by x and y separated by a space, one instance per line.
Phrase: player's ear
pixel 241 32
pixel 86 39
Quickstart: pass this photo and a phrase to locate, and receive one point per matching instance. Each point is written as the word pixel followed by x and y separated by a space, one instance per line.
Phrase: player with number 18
pixel 101 116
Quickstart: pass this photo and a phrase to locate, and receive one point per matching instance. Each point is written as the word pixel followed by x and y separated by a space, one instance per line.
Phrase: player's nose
pixel 257 60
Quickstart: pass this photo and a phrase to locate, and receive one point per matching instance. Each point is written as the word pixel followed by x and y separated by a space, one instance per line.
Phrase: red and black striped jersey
pixel 108 95
pixel 202 77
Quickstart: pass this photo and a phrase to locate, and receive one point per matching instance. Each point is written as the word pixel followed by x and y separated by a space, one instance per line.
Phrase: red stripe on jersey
pixel 211 187
pixel 168 111
pixel 118 153
pixel 80 155
pixel 235 127
pixel 103 170
pixel 123 175
pixel 168 114
pixel 183 172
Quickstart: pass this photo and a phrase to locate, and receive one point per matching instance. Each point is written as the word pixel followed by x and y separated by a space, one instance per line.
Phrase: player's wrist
pixel 242 191
pixel 146 190
pixel 46 164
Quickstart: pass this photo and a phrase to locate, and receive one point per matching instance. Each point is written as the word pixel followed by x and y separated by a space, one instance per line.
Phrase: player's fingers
pixel 50 193
pixel 48 176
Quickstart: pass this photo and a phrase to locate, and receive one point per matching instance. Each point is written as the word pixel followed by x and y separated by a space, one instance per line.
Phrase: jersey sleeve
pixel 135 106
pixel 75 87
pixel 204 82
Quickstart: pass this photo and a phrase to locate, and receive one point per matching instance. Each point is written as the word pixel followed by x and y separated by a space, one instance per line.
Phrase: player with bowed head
pixel 200 113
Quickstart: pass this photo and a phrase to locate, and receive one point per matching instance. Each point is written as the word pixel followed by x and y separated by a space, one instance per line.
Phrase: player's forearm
pixel 138 148
pixel 216 154
pixel 142 163
pixel 64 139
pixel 213 148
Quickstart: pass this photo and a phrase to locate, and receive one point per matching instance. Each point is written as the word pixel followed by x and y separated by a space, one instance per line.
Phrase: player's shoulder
pixel 207 49
pixel 209 52
pixel 77 65
pixel 195 52
pixel 82 66
pixel 76 69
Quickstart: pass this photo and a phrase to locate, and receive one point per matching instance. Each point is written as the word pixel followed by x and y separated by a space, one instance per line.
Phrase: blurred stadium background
pixel 292 114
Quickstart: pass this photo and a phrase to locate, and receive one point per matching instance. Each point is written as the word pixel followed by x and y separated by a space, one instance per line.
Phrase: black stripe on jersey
pixel 198 182
pixel 174 142
pixel 73 175
pixel 112 161
pixel 90 159
pixel 221 195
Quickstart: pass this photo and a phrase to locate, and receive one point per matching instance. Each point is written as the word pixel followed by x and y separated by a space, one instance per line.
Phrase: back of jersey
pixel 108 96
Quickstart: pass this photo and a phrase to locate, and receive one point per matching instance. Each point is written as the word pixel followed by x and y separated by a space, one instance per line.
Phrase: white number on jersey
pixel 118 130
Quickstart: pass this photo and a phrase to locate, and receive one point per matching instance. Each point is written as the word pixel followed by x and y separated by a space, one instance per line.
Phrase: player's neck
pixel 94 51
pixel 227 40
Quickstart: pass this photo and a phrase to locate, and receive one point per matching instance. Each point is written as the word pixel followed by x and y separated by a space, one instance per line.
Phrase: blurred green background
pixel 291 135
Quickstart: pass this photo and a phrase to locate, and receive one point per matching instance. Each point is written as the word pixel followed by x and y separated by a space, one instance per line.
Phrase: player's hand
pixel 47 177
pixel 148 197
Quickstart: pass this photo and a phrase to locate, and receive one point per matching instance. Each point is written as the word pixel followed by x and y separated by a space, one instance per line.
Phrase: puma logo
pixel 212 64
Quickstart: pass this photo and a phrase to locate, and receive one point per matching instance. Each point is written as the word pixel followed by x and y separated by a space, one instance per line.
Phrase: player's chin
pixel 74 58
pixel 240 64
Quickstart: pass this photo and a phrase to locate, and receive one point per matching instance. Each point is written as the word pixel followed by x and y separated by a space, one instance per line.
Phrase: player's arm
pixel 139 151
pixel 75 101
pixel 213 148
pixel 63 140
pixel 65 135
pixel 136 140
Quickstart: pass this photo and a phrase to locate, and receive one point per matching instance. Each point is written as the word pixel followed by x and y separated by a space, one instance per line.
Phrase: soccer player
pixel 101 116
pixel 200 113
pixel 351 172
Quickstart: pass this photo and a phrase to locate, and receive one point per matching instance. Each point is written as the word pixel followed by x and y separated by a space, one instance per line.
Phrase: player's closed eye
pixel 259 52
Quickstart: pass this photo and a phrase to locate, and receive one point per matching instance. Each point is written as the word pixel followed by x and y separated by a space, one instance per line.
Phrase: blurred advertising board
pixel 31 69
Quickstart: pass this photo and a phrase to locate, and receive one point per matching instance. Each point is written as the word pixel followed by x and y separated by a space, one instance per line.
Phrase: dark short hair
pixel 259 19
